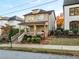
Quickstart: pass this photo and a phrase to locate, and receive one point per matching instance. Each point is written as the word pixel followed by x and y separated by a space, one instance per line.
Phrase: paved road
pixel 60 47
pixel 4 54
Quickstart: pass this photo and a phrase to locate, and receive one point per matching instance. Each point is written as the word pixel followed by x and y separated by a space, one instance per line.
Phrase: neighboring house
pixel 39 20
pixel 71 14
pixel 14 21
pixel 3 22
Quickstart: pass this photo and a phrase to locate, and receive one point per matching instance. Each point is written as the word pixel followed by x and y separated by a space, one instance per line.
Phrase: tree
pixel 60 21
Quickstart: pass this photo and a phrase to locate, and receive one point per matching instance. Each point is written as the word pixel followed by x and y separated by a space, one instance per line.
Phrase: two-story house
pixel 14 21
pixel 71 14
pixel 40 20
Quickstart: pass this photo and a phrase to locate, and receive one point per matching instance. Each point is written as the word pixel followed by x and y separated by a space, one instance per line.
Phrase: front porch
pixel 35 27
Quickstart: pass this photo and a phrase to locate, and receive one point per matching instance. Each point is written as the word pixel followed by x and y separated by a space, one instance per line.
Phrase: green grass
pixel 63 41
pixel 42 50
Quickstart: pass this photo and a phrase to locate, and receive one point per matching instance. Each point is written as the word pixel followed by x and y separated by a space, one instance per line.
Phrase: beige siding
pixel 46 17
pixel 38 17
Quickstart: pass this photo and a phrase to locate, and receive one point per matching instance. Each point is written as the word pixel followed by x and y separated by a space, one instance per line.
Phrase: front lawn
pixel 63 41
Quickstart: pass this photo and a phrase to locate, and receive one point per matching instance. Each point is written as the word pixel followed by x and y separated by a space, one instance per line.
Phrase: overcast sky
pixel 7 6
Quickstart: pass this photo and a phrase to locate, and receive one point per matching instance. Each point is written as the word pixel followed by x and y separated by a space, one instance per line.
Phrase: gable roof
pixel 4 18
pixel 15 18
pixel 40 12
pixel 70 2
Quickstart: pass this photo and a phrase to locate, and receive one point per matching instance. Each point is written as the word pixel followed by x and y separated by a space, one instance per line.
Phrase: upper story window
pixel 37 17
pixel 74 11
pixel 40 17
pixel 29 18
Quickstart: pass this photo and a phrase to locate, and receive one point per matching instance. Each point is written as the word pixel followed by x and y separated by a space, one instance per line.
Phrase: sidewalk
pixel 59 47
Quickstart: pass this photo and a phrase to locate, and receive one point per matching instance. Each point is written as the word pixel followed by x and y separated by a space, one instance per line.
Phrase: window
pixel 40 17
pixel 74 11
pixel 77 11
pixel 74 25
pixel 30 18
pixel 71 11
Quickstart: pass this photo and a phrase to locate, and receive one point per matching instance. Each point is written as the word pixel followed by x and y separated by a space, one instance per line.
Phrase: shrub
pixel 51 33
pixel 12 32
pixel 24 38
pixel 58 33
pixel 75 31
pixel 31 39
pixel 66 32
pixel 38 36
pixel 36 39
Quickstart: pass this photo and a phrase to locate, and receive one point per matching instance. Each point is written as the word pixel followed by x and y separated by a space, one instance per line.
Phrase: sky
pixel 8 7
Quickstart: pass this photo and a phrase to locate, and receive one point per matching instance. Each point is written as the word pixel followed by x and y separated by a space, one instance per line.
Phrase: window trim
pixel 74 10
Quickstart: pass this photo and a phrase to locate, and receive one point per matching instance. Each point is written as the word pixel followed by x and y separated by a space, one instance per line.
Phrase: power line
pixel 31 7
pixel 19 5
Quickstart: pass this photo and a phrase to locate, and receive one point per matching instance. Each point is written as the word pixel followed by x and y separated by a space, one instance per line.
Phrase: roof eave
pixel 48 12
pixel 70 4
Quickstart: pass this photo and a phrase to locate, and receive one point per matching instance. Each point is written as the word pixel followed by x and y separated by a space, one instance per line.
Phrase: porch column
pixel 46 32
pixel 34 29
pixel 25 30
pixel 19 29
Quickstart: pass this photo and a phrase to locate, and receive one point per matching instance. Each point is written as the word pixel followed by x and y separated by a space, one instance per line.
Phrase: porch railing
pixel 15 37
pixel 21 37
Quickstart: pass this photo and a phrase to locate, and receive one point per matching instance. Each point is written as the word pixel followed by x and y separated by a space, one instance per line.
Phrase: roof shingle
pixel 70 2
pixel 40 12
pixel 15 18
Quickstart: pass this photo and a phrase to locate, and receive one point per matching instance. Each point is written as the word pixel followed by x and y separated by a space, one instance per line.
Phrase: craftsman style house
pixel 71 14
pixel 39 20
pixel 35 22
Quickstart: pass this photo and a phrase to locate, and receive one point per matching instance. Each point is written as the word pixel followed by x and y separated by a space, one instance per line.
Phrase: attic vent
pixel 35 11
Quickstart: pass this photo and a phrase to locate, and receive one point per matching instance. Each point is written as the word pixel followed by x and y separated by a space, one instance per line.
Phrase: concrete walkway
pixel 59 47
